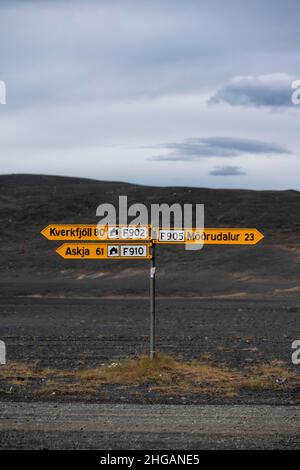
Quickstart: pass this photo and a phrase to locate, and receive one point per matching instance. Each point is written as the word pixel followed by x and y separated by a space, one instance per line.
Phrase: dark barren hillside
pixel 30 266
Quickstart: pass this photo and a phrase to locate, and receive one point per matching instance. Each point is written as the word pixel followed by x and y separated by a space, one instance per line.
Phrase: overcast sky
pixel 189 92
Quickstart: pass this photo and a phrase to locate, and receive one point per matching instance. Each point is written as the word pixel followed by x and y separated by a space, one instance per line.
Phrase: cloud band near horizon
pixel 224 147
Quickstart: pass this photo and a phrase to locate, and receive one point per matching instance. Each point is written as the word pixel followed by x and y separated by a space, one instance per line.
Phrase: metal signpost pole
pixel 152 304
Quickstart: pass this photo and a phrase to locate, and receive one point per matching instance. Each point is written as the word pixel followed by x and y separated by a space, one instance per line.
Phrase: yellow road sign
pixel 104 251
pixel 82 232
pixel 208 236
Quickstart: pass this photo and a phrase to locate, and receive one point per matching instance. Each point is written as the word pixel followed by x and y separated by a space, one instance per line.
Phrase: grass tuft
pixel 164 375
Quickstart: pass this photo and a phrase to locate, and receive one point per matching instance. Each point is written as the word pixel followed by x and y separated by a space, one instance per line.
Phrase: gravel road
pixel 93 426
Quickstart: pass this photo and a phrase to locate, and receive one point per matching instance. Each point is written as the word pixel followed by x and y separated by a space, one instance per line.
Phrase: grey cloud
pixel 227 171
pixel 194 149
pixel 274 90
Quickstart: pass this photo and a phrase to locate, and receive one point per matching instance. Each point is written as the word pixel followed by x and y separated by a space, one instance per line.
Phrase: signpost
pixel 139 242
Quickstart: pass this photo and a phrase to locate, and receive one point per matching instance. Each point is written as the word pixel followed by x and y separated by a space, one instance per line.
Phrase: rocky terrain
pixel 30 266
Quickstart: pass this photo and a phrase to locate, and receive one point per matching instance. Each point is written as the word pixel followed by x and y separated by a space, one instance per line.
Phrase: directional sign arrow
pixel 96 233
pixel 208 236
pixel 104 251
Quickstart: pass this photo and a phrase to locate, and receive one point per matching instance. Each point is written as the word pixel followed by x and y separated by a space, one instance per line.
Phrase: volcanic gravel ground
pixel 62 333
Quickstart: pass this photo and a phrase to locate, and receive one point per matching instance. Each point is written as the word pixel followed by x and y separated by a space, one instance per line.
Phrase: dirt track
pixel 90 426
